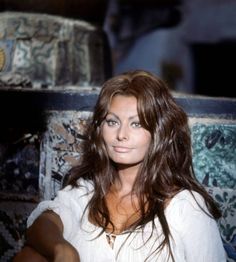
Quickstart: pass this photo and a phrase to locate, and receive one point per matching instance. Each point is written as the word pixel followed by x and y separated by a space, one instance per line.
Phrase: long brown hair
pixel 167 166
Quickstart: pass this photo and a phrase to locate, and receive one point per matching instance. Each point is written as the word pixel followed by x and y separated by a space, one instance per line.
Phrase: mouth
pixel 122 149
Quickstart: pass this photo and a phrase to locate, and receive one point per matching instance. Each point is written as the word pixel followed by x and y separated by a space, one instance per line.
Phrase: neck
pixel 127 176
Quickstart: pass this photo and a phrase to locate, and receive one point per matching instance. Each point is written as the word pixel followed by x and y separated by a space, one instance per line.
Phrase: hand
pixel 66 252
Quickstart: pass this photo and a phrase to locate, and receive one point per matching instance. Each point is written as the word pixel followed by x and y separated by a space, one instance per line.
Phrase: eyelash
pixel 111 122
pixel 136 124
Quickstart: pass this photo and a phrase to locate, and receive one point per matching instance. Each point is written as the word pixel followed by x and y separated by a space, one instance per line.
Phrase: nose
pixel 123 132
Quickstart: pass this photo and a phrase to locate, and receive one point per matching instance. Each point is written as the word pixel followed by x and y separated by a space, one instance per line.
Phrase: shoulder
pixel 84 189
pixel 187 213
pixel 187 206
pixel 188 199
pixel 83 185
pixel 192 226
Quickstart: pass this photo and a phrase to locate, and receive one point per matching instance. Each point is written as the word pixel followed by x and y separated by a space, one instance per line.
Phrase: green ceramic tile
pixel 214 154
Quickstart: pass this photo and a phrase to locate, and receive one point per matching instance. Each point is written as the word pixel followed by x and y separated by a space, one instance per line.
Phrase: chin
pixel 126 163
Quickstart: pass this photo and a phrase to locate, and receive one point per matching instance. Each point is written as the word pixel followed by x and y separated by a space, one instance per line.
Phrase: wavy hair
pixel 167 166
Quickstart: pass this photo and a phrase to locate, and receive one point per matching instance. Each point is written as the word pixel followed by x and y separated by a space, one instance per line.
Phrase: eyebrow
pixel 116 116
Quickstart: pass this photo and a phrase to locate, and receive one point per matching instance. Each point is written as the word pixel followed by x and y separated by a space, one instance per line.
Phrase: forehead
pixel 123 100
pixel 126 105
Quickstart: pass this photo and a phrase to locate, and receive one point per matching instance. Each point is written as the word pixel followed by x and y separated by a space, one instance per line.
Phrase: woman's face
pixel 126 140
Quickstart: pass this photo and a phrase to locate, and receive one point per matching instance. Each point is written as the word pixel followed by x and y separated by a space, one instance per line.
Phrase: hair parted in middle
pixel 167 166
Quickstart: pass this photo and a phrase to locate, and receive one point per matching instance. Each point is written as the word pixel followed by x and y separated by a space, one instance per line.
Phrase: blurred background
pixel 190 43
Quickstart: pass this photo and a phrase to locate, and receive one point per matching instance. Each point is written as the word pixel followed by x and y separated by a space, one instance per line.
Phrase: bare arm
pixel 45 236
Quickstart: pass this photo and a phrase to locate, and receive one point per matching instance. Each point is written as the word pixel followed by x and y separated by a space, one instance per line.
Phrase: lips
pixel 121 149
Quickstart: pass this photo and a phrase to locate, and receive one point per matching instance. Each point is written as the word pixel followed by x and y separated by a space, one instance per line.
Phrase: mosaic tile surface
pixel 19 166
pixel 35 59
pixel 226 199
pixel 214 160
pixel 6 48
pixel 214 154
pixel 13 218
pixel 47 51
pixel 60 149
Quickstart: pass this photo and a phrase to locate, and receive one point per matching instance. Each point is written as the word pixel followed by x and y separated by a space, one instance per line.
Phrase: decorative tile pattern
pixel 51 51
pixel 19 167
pixel 60 148
pixel 226 198
pixel 35 59
pixel 6 48
pixel 12 227
pixel 214 154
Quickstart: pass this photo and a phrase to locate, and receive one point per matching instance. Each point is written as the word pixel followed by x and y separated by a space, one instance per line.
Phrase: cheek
pixel 146 139
pixel 147 145
pixel 106 134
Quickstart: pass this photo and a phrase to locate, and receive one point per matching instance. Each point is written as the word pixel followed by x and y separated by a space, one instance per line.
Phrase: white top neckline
pixel 195 236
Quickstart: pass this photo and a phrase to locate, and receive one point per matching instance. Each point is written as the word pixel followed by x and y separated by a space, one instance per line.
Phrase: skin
pixel 45 242
pixel 126 142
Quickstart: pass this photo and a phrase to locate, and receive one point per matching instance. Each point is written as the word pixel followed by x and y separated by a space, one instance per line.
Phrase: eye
pixel 136 124
pixel 111 122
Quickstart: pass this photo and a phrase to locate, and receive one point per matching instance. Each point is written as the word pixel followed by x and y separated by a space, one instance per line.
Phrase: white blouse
pixel 195 236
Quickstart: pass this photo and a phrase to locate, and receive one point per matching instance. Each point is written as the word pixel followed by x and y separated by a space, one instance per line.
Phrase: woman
pixel 134 196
